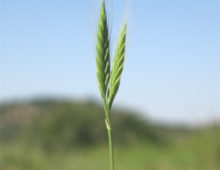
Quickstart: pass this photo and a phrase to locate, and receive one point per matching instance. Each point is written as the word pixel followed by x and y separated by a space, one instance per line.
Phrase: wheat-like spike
pixel 118 65
pixel 103 53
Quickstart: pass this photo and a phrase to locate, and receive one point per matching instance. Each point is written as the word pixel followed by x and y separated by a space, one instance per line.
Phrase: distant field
pixel 196 153
pixel 55 136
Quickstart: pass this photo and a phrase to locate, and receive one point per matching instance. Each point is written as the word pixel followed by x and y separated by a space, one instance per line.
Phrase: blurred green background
pixel 167 112
pixel 62 134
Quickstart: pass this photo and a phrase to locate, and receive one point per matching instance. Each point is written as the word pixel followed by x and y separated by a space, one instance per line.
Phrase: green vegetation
pixel 105 74
pixel 54 135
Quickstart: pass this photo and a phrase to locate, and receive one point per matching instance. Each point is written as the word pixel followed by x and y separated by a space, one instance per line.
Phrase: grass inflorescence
pixel 109 79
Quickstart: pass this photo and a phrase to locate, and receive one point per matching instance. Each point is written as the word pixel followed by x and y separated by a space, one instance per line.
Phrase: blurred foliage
pixel 64 134
pixel 56 124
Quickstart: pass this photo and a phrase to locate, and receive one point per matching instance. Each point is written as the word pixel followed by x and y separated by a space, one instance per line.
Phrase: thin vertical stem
pixel 111 152
pixel 109 129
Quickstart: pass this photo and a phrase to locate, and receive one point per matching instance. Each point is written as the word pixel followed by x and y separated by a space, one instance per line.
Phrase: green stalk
pixel 109 129
pixel 109 79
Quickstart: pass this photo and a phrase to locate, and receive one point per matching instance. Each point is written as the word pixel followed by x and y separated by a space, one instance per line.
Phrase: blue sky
pixel 172 68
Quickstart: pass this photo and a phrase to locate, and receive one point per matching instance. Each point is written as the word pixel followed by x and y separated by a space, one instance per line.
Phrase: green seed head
pixel 104 74
pixel 118 66
pixel 103 52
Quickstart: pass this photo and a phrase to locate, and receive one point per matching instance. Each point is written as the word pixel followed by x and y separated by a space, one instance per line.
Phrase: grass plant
pixel 109 79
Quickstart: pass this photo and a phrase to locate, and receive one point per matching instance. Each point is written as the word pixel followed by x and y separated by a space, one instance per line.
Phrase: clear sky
pixel 172 68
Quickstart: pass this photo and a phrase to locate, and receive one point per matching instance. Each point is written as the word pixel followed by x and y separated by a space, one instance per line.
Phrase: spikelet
pixel 118 65
pixel 103 53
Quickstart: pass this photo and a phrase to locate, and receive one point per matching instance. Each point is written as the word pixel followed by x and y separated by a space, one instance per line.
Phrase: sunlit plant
pixel 109 78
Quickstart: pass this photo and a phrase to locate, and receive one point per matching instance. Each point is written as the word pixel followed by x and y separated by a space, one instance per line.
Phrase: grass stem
pixel 109 129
